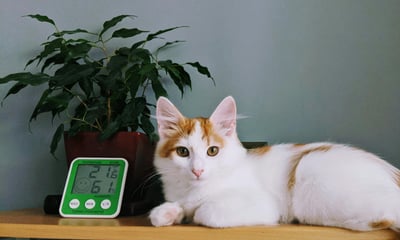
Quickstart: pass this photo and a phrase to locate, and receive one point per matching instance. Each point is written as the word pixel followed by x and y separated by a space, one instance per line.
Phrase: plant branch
pixel 98 127
pixel 87 123
pixel 78 97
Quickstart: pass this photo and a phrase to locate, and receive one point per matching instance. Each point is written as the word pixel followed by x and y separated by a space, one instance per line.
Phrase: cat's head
pixel 196 149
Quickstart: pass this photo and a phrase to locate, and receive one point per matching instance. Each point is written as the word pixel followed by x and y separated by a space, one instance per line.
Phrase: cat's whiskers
pixel 153 177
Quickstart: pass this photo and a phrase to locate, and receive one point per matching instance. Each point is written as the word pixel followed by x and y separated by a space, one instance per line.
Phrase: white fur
pixel 342 186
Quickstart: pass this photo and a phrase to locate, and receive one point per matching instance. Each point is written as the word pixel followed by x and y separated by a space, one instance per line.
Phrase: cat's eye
pixel 182 151
pixel 212 151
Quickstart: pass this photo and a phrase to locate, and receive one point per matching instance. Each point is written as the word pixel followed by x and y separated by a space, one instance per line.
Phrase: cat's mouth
pixel 195 179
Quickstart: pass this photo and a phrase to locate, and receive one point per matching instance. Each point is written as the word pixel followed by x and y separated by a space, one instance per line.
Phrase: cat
pixel 210 179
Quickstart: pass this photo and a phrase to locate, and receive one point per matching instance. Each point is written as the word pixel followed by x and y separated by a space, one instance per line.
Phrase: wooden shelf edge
pixel 53 227
pixel 185 232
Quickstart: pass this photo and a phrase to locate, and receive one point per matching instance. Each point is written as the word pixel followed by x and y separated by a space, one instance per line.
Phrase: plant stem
pixel 144 88
pixel 104 49
pixel 109 109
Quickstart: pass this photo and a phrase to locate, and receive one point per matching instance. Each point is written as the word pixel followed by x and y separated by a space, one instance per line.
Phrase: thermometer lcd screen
pixel 96 179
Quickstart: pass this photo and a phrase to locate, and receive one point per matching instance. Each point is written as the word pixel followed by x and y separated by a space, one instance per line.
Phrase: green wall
pixel 301 70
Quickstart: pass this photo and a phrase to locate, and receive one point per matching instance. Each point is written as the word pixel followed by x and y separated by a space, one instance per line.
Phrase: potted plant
pixel 102 92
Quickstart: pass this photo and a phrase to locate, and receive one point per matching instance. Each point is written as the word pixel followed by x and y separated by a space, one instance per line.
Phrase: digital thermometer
pixel 94 188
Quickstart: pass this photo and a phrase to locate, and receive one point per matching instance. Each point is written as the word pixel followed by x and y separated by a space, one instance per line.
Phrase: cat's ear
pixel 168 117
pixel 224 116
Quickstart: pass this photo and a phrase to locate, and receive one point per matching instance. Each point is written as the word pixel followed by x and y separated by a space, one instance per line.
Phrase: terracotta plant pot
pixel 135 147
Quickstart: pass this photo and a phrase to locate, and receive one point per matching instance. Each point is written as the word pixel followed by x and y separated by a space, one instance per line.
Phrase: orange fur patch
pixel 382 224
pixel 296 160
pixel 208 131
pixel 185 128
pixel 260 150
pixel 299 145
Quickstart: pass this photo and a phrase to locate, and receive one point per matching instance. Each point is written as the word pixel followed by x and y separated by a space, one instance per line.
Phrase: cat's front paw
pixel 166 214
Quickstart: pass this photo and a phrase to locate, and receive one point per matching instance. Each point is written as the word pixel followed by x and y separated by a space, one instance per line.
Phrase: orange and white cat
pixel 209 178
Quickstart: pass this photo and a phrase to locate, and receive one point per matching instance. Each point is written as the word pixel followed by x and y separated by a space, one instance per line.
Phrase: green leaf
pixel 110 130
pixel 39 103
pixel 42 18
pixel 56 138
pixel 54 104
pixel 117 63
pixel 112 22
pixel 31 61
pixel 54 60
pixel 86 85
pixel 184 77
pixel 78 51
pixel 201 69
pixel 150 71
pixel 133 79
pixel 72 73
pixel 128 116
pixel 178 74
pixel 146 124
pixel 131 113
pixel 15 89
pixel 49 48
pixel 76 127
pixel 26 78
pixel 127 33
pixel 158 89
pixel 139 104
pixel 154 35
pixel 69 32
pixel 172 69
pixel 118 97
pixel 169 65
pixel 140 55
pixel 168 44
pixel 138 44
pixel 124 51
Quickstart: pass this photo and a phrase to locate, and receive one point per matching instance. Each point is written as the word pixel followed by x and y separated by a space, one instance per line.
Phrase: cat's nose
pixel 197 172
